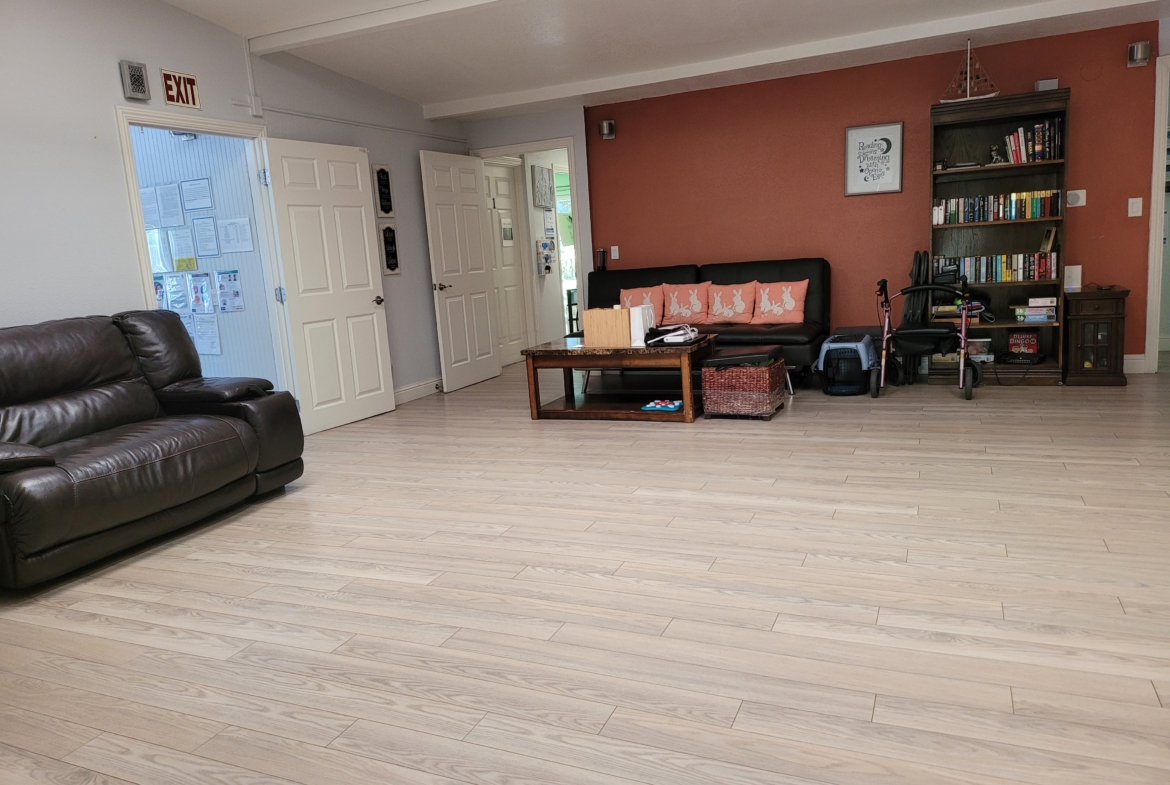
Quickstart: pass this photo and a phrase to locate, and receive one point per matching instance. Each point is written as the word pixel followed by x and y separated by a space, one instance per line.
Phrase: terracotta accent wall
pixel 756 171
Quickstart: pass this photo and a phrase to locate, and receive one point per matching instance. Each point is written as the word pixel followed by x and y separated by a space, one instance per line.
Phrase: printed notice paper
pixel 199 285
pixel 235 235
pixel 206 333
pixel 206 243
pixel 176 292
pixel 158 259
pixel 183 249
pixel 150 215
pixel 170 209
pixel 196 194
pixel 160 293
pixel 227 290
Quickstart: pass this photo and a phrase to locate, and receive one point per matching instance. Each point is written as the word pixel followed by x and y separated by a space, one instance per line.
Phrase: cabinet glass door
pixel 1095 345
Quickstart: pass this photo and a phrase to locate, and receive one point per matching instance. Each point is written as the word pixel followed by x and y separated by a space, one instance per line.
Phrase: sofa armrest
pixel 202 389
pixel 274 418
pixel 15 456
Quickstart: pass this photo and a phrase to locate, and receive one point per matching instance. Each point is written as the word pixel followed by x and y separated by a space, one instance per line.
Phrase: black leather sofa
pixel 800 343
pixel 110 436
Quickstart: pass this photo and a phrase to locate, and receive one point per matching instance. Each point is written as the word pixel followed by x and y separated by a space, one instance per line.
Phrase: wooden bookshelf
pixel 965 131
pixel 972 224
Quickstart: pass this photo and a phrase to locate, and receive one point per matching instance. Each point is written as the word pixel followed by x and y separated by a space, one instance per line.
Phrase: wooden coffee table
pixel 570 353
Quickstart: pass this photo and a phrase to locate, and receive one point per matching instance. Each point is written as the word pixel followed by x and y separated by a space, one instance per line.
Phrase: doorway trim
pixel 255 134
pixel 1154 271
pixel 543 146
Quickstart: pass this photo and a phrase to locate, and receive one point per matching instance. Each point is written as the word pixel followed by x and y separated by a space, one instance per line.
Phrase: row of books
pixel 1027 314
pixel 999 268
pixel 1042 142
pixel 996 207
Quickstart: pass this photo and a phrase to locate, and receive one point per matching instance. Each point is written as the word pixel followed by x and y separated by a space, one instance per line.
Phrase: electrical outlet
pixel 1135 208
pixel 613 252
pixel 1076 198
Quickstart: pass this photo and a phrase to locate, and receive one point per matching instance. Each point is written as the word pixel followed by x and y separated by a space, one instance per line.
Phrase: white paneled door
pixel 459 236
pixel 324 216
pixel 511 298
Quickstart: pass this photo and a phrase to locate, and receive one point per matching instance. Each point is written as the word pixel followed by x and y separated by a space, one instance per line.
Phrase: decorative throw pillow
pixel 684 304
pixel 651 295
pixel 781 302
pixel 731 304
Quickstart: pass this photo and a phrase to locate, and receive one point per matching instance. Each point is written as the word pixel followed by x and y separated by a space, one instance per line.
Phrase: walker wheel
pixel 875 378
pixel 968 384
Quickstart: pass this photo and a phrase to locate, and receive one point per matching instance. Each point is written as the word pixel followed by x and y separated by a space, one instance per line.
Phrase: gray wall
pixel 64 206
pixel 364 118
pixel 555 124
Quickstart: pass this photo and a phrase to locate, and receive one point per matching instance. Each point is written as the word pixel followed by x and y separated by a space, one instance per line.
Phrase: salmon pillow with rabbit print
pixel 781 302
pixel 651 295
pixel 684 304
pixel 731 304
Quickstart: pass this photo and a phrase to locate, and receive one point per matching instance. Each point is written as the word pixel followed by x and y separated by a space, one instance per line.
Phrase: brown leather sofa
pixel 110 436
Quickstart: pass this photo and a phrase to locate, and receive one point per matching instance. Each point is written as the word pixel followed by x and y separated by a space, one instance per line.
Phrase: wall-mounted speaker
pixel 1139 54
pixel 135 86
pixel 607 129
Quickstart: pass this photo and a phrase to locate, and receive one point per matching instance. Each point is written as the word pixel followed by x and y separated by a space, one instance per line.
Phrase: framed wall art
pixel 544 190
pixel 388 247
pixel 873 159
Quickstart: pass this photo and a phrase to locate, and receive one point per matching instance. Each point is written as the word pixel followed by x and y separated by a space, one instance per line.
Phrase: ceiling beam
pixel 399 12
pixel 1053 17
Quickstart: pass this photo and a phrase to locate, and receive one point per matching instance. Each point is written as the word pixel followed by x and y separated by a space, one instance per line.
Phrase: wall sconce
pixel 1139 54
pixel 608 129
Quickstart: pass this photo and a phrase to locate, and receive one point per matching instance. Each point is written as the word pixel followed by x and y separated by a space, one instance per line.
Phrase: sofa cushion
pixel 69 378
pixel 780 303
pixel 732 304
pixel 648 295
pixel 163 347
pixel 685 304
pixel 123 474
pixel 815 270
pixel 605 286
pixel 763 334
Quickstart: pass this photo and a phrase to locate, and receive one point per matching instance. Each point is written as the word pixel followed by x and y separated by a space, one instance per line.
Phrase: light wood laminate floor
pixel 915 589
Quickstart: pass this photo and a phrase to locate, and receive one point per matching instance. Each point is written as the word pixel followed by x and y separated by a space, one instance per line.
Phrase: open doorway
pixel 207 260
pixel 1157 343
pixel 543 241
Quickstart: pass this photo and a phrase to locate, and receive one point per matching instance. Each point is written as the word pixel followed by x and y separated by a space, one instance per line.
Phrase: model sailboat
pixel 970 83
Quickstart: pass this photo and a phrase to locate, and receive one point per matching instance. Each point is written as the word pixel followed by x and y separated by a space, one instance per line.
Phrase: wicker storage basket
pixel 744 389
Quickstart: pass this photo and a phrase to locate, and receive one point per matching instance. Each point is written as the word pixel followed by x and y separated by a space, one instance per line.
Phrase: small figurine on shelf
pixel 996 158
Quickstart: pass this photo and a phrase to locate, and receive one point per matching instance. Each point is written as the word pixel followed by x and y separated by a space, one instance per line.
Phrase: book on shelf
pixel 1040 142
pixel 1034 315
pixel 1013 206
pixel 998 268
pixel 1042 302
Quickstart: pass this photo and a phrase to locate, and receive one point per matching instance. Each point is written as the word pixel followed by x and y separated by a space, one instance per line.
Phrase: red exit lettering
pixel 180 89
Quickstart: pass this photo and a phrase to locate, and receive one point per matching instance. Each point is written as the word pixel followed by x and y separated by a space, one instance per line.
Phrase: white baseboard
pixel 1136 363
pixel 412 392
pixel 1164 343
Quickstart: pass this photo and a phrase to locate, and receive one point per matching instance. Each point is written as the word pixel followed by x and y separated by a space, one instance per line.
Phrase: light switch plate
pixel 1135 207
pixel 613 252
pixel 1076 198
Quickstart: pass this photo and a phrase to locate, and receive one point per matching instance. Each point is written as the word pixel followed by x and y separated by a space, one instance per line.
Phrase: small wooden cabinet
pixel 1095 338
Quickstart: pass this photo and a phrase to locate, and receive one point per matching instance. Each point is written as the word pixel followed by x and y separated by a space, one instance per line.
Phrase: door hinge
pixel 265 177
pixel 281 295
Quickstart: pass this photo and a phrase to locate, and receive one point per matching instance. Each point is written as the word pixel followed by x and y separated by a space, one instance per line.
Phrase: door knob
pixel 440 286
pixel 378 300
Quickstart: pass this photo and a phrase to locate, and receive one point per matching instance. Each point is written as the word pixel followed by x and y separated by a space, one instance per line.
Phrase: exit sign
pixel 180 89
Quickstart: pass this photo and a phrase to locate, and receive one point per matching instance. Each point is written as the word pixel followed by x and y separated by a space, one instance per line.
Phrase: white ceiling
pixel 483 57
